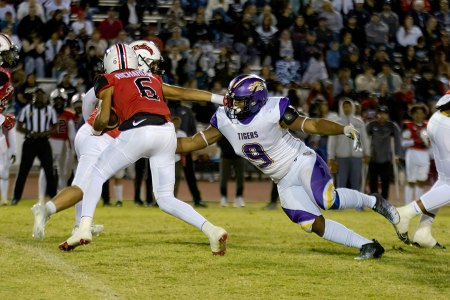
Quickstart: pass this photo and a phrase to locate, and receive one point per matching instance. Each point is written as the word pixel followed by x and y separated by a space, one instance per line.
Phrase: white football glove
pixel 352 133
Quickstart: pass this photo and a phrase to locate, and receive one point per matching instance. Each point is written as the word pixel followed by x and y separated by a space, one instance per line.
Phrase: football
pixel 113 119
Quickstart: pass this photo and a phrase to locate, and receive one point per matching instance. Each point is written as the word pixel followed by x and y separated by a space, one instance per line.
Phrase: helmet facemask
pixel 152 66
pixel 9 57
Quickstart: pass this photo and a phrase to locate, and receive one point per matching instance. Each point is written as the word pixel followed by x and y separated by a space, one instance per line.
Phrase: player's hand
pixel 9 122
pixel 13 159
pixel 351 132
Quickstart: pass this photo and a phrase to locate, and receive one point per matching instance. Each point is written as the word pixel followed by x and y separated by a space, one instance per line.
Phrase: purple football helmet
pixel 249 88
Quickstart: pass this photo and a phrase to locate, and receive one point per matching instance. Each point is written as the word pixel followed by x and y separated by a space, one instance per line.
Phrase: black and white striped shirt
pixel 38 119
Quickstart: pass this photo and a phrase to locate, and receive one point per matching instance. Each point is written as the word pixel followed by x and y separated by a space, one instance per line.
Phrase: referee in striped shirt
pixel 37 121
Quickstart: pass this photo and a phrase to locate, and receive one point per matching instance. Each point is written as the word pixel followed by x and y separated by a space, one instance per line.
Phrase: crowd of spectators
pixel 375 52
pixel 389 52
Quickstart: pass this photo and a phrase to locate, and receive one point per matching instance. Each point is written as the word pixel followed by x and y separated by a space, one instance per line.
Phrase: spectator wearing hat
pixel 361 13
pixel 37 121
pixel 390 18
pixel 381 131
pixel 377 32
pixel 417 157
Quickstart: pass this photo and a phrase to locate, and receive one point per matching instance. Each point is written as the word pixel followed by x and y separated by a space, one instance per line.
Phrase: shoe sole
pixel 393 216
pixel 66 247
pixel 223 245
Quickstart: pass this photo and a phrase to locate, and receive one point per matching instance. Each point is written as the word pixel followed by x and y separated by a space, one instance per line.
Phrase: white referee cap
pixel 444 100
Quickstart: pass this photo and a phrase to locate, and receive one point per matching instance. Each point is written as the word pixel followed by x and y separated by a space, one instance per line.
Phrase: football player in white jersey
pixel 427 206
pixel 90 147
pixel 257 128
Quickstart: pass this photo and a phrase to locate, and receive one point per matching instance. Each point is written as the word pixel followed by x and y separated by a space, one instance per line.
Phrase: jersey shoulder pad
pixel 290 115
pixel 101 82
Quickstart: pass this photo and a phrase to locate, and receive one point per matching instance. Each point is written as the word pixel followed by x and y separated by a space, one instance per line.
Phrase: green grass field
pixel 147 254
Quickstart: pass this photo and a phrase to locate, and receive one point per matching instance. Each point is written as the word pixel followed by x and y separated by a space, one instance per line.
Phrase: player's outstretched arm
pixel 199 140
pixel 173 92
pixel 292 120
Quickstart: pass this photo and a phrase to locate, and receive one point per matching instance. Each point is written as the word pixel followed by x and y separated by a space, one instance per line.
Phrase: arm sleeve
pixel 101 83
pixel 89 103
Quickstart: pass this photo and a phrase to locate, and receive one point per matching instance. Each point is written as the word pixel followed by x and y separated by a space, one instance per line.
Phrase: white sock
pixel 180 210
pixel 42 185
pixel 419 191
pixel 85 223
pixel 51 208
pixel 338 233
pixel 208 228
pixel 118 192
pixel 4 184
pixel 78 210
pixel 353 199
pixel 409 194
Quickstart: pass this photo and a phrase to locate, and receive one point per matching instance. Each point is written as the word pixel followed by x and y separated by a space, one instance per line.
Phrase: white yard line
pixel 98 287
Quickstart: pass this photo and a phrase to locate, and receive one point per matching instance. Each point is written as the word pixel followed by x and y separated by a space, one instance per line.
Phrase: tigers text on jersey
pixel 262 141
pixel 438 130
pixel 134 91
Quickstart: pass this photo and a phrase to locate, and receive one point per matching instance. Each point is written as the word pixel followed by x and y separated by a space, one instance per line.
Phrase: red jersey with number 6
pixel 134 91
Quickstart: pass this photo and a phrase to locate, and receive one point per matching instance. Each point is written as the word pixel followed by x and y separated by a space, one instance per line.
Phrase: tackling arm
pixel 173 92
pixel 102 118
pixel 199 140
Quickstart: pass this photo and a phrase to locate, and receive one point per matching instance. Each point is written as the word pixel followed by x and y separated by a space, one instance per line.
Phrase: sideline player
pixel 417 156
pixel 257 128
pixel 439 195
pixel 9 56
pixel 146 131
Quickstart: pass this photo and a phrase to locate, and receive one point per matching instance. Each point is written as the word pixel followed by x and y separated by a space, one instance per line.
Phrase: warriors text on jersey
pixel 263 141
pixel 134 91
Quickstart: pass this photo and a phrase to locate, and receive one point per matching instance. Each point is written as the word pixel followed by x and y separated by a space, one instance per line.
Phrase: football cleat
pixel 96 229
pixel 424 239
pixel 403 225
pixel 218 241
pixel 80 237
pixel 384 208
pixel 370 250
pixel 40 219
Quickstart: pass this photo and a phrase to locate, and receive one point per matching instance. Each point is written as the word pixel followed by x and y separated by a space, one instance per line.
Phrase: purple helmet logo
pixel 246 95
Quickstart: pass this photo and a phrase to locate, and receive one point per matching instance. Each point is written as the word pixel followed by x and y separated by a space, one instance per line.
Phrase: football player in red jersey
pixel 417 156
pixel 173 206
pixel 9 56
pixel 146 131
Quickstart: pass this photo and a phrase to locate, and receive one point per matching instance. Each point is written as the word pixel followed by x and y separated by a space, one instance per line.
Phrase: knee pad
pixel 303 218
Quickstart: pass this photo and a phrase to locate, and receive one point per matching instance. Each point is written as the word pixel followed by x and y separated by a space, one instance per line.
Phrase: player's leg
pixel 118 186
pixel 301 209
pixel 317 181
pixel 225 167
pixel 436 197
pixel 239 173
pixel 410 172
pixel 162 164
pixel 422 171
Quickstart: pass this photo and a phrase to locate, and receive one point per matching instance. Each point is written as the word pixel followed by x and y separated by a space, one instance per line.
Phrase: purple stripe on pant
pixel 319 179
pixel 299 216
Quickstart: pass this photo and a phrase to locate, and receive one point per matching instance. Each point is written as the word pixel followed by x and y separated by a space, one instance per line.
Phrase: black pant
pixel 189 175
pixel 383 172
pixel 141 166
pixel 105 193
pixel 30 149
pixel 225 174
